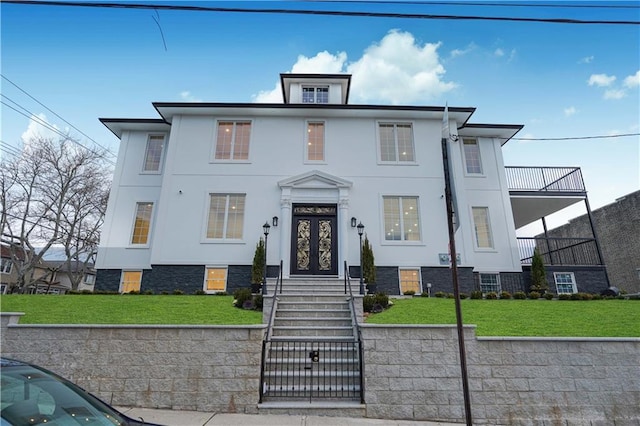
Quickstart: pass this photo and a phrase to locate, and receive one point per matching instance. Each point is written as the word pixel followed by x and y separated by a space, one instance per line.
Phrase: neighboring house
pixel 51 277
pixel 192 190
pixel 617 227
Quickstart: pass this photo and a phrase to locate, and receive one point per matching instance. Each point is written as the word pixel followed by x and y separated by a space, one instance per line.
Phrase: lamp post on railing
pixel 265 229
pixel 360 232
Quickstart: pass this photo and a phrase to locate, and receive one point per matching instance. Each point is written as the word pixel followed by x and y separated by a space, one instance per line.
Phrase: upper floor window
pixel 473 165
pixel 396 143
pixel 142 223
pixel 315 95
pixel 482 227
pixel 226 216
pixel 153 154
pixel 401 219
pixel 315 141
pixel 7 264
pixel 232 142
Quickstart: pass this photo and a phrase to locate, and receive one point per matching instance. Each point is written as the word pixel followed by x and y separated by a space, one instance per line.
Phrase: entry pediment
pixel 315 179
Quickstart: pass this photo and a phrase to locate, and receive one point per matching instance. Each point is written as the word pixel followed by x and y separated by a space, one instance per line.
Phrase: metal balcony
pixel 548 180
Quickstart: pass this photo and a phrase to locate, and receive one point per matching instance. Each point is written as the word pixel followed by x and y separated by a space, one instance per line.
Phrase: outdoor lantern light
pixel 265 228
pixel 353 222
pixel 360 232
pixel 274 221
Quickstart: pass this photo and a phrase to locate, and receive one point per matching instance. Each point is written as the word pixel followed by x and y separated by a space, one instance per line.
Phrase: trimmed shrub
pixel 367 302
pixel 477 294
pixel 257 301
pixel 534 295
pixel 240 296
pixel 520 295
pixel 549 296
pixel 564 296
pixel 492 295
pixel 199 292
pixel 597 297
pixel 382 299
pixel 505 295
pixel 441 294
pixel 451 296
pixel 148 292
pixel 409 293
pixel 178 292
pixel 463 296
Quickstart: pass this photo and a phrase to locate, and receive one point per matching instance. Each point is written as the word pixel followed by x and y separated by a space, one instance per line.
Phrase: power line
pixel 473 3
pixel 53 129
pixel 576 137
pixel 318 12
pixel 54 113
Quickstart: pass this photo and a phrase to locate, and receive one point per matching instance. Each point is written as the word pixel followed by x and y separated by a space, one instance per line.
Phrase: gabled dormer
pixel 315 88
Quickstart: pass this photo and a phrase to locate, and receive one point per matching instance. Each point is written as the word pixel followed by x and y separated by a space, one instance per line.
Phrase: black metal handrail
pixel 560 251
pixel 268 334
pixel 545 179
pixel 356 329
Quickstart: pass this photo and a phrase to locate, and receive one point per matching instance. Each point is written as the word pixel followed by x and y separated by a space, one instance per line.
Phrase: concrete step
pixel 312 322
pixel 326 407
pixel 313 313
pixel 313 331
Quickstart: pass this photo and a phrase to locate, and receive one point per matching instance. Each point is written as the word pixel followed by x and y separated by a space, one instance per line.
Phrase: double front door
pixel 314 240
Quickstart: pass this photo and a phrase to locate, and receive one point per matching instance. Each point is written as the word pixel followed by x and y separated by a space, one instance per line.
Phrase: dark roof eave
pixel 503 131
pixel 112 123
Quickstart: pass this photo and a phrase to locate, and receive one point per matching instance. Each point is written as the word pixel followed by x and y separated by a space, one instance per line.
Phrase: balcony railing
pixel 545 179
pixel 560 251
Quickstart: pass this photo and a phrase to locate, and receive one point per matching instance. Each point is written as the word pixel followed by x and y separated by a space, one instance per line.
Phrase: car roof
pixel 8 362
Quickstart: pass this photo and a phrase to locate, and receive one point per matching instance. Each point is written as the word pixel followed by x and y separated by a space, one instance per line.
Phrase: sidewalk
pixel 196 418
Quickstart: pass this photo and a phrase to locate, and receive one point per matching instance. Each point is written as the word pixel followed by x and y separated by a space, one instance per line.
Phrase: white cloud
pixel 399 70
pixel 186 96
pixel 461 52
pixel 614 94
pixel 395 70
pixel 499 52
pixel 601 80
pixel 37 128
pixel 632 80
pixel 586 60
pixel 568 112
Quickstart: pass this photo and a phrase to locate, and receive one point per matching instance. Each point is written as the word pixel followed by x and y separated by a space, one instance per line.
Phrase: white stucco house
pixel 193 188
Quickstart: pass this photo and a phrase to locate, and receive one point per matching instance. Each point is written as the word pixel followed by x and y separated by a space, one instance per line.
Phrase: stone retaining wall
pixel 412 372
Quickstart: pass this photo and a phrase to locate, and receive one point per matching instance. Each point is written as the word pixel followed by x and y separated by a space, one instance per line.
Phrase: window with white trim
pixel 215 279
pixel 315 95
pixel 142 223
pixel 7 265
pixel 565 282
pixel 401 218
pixel 396 143
pixel 153 154
pixel 473 164
pixel 490 283
pixel 226 216
pixel 232 142
pixel 130 281
pixel 3 288
pixel 89 279
pixel 410 280
pixel 315 141
pixel 482 227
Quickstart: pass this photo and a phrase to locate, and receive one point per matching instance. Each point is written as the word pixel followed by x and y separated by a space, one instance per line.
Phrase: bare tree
pixel 52 195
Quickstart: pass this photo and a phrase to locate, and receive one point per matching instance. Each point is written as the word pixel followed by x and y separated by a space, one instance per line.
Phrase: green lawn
pixel 567 318
pixel 595 318
pixel 127 309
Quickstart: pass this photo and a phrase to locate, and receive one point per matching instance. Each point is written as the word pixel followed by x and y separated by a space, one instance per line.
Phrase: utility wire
pixel 53 129
pixel 316 12
pixel 576 138
pixel 54 113
pixel 565 5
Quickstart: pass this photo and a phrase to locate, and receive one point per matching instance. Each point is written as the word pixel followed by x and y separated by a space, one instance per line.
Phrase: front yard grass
pixel 128 309
pixel 594 318
pixel 557 318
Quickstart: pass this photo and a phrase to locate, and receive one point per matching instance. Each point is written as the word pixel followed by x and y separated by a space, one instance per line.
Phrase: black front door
pixel 314 240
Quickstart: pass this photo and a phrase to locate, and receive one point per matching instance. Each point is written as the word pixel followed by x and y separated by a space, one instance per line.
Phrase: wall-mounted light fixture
pixel 354 222
pixel 274 221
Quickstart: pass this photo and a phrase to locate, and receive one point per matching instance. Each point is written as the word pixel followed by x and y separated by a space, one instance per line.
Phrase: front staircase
pixel 312 352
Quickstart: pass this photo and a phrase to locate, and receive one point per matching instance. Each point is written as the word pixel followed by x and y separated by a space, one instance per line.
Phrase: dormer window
pixel 315 95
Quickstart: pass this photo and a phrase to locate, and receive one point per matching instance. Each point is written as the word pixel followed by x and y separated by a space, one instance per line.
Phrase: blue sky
pixel 559 80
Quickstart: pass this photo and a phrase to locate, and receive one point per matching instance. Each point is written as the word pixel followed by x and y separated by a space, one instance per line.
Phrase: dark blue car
pixel 31 395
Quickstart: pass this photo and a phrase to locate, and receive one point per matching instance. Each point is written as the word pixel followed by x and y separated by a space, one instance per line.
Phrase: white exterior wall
pixel 277 153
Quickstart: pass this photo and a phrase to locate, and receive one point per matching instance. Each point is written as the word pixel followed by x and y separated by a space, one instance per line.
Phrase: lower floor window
pixel 215 279
pixel 410 280
pixel 130 281
pixel 565 282
pixel 490 283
